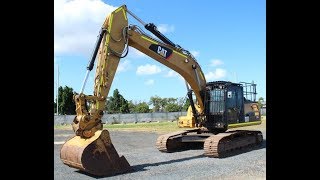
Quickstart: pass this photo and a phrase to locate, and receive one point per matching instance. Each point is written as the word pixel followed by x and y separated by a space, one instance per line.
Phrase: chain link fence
pixel 131 118
pixel 126 118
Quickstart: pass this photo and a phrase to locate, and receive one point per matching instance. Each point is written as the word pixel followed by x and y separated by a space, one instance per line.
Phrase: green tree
pixel 167 104
pixel 124 106
pixel 117 103
pixel 132 106
pixel 164 102
pixel 180 101
pixel 156 102
pixel 172 107
pixel 260 100
pixel 171 100
pixel 113 103
pixel 186 104
pixel 142 107
pixel 66 103
pixel 55 108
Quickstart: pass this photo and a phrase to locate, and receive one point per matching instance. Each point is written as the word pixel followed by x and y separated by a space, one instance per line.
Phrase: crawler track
pixel 222 143
pixel 168 142
pixel 215 145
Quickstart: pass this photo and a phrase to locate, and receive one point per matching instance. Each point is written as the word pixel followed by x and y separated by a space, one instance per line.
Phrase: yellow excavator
pixel 217 107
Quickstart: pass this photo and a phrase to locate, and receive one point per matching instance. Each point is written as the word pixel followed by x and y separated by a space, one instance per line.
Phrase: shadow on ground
pixel 142 167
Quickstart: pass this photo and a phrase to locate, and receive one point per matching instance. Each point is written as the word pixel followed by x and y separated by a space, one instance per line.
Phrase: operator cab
pixel 225 104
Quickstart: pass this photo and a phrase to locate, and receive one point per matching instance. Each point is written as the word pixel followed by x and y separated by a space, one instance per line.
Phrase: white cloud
pixel 216 62
pixel 77 24
pixel 217 74
pixel 165 28
pixel 172 73
pixel 148 69
pixel 124 66
pixel 134 53
pixel 195 53
pixel 149 82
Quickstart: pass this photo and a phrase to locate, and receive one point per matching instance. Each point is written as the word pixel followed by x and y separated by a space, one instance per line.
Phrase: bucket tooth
pixel 95 155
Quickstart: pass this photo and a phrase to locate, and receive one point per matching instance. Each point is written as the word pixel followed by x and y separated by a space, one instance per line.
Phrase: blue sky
pixel 228 39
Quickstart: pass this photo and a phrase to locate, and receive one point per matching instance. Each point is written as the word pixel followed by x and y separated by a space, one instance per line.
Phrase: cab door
pixel 234 105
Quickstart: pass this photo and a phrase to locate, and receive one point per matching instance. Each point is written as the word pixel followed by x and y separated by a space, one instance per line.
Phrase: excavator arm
pixel 113 41
pixel 91 150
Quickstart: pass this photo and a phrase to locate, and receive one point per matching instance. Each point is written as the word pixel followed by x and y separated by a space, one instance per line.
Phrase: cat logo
pixel 161 50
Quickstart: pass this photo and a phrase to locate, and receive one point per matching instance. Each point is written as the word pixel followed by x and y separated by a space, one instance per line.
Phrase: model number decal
pixel 161 50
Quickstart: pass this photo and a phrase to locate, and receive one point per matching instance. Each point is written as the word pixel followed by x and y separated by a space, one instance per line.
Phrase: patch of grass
pixel 259 127
pixel 63 127
pixel 160 127
pixel 152 126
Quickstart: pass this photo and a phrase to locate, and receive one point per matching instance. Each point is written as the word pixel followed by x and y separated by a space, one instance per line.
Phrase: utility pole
pixel 58 91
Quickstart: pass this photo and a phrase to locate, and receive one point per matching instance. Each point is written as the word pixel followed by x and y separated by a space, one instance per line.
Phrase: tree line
pixel 118 104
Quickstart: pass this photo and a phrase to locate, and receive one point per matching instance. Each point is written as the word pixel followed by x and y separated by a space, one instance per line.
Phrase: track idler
pixel 95 155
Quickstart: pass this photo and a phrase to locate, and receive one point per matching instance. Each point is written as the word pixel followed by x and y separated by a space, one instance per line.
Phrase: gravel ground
pixel 148 163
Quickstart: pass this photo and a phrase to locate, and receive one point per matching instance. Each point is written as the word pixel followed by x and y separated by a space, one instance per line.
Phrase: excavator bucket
pixel 96 155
